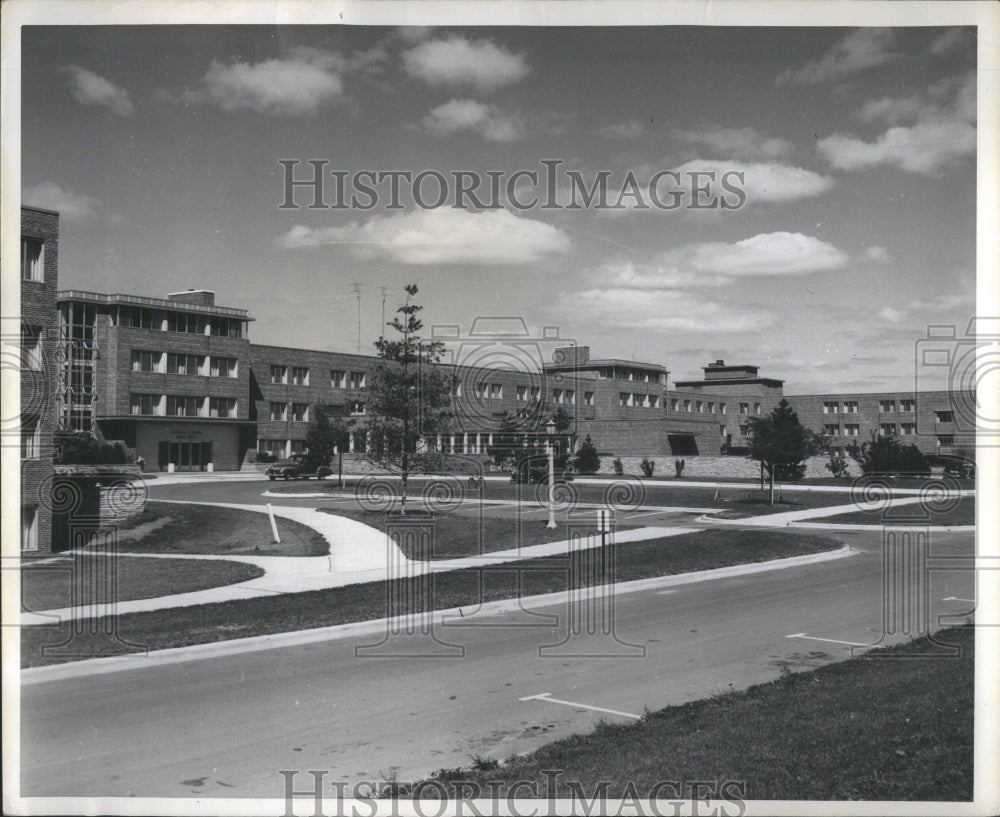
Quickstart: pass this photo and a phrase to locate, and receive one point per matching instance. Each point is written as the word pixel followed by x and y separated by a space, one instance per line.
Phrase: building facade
pixel 39 282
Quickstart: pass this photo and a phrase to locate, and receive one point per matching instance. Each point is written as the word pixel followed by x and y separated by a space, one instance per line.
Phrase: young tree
pixel 587 461
pixel 887 455
pixel 780 443
pixel 328 431
pixel 409 396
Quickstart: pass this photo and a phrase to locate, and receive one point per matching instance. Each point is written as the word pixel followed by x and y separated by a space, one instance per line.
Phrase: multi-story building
pixel 39 281
pixel 168 377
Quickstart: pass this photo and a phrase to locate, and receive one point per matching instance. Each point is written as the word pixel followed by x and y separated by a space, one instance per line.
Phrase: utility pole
pixel 381 331
pixel 356 289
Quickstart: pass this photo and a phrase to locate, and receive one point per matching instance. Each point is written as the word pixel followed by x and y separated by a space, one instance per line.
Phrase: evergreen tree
pixel 781 444
pixel 587 461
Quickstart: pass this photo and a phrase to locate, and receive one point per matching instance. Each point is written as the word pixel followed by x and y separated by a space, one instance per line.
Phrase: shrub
pixel 837 465
pixel 648 466
pixel 587 461
pixel 619 466
pixel 887 455
pixel 82 448
pixel 263 456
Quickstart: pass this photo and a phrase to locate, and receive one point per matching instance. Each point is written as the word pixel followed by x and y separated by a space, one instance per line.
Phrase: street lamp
pixel 550 429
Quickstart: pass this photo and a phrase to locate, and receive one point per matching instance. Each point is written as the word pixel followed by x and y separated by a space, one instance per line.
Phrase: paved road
pixel 226 726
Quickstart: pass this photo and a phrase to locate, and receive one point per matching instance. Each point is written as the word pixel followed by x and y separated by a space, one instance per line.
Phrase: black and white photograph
pixel 500 408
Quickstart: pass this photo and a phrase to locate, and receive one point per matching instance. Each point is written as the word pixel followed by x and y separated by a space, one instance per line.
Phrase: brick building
pixel 39 282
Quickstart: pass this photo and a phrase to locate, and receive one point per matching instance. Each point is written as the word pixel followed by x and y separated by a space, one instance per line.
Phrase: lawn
pixel 458 535
pixel 49 586
pixel 206 530
pixel 876 727
pixel 962 512
pixel 176 627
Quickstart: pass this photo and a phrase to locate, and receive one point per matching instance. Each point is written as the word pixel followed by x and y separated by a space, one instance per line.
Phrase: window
pixel 279 374
pixel 700 406
pixel 946 439
pixel 496 391
pixel 300 412
pixel 907 429
pixel 887 429
pixel 300 376
pixel 298 446
pixel 722 431
pixel 831 407
pixel 458 388
pixel 481 391
pixel 588 398
pixel 654 401
pixel 146 404
pixel 624 399
pixel 222 407
pixel 357 407
pixel 675 404
pixel 32 260
pixel 182 322
pixel 722 408
pixel 886 405
pixel 225 327
pixel 31 439
pixel 338 379
pixel 276 448
pixel 831 430
pixel 143 361
pixel 357 380
pixel 744 408
pixel 851 429
pixel 711 407
pixel 850 407
pixel 557 395
pixel 279 412
pixel 745 430
pixel 31 351
pixel 29 528
pixel 756 409
pixel 183 364
pixel 522 394
pixel 569 397
pixel 906 405
pixel 943 417
pixel 137 318
pixel 223 367
pixel 183 406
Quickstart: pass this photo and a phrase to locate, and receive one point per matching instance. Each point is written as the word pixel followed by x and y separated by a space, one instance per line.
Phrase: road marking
pixel 831 640
pixel 547 696
pixel 956 598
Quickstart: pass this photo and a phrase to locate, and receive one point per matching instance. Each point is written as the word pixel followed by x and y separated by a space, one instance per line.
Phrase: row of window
pixel 178 363
pixel 703 406
pixel 643 400
pixel 626 373
pixel 166 321
pixel 886 429
pixel 890 405
pixel 171 405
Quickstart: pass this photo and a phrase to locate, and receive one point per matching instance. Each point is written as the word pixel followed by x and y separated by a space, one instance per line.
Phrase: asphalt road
pixel 226 726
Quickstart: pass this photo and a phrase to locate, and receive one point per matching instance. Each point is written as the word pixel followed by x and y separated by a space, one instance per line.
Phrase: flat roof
pixel 158 303
pixel 736 381
pixel 40 209
pixel 608 361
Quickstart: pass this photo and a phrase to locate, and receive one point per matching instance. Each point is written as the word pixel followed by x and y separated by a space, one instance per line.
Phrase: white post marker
pixel 552 486
pixel 274 525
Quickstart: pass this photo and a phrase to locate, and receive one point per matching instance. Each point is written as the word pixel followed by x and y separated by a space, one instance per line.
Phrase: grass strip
pixel 961 511
pixel 290 612
pixel 214 531
pixel 893 724
pixel 50 586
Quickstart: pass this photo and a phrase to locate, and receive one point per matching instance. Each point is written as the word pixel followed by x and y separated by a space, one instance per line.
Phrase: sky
pixel 848 226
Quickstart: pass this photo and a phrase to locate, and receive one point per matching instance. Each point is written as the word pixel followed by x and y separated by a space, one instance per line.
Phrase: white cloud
pixel 737 143
pixel 665 310
pixel 457 61
pixel 954 39
pixel 666 276
pixel 297 86
pixel 891 315
pixel 768 181
pixel 880 255
pixel 442 236
pixel 858 51
pixel 627 129
pixel 767 254
pixel 89 88
pixel 70 205
pixel 942 132
pixel 469 115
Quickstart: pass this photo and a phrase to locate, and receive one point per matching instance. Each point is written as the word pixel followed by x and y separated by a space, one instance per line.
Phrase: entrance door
pixel 683 445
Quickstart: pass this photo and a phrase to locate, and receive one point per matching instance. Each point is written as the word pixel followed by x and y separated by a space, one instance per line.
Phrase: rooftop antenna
pixel 356 289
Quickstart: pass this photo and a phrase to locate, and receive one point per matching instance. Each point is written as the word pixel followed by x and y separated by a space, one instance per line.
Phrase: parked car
pixel 299 467
pixel 538 472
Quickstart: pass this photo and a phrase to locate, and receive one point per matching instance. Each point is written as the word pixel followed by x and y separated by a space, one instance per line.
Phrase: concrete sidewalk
pixel 358 554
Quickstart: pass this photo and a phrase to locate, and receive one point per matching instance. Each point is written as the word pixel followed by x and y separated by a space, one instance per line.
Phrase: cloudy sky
pixel 854 230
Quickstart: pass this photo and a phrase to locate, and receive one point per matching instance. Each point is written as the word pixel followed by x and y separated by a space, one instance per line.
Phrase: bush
pixel 587 461
pixel 82 448
pixel 619 466
pixel 648 466
pixel 263 456
pixel 837 465
pixel 887 455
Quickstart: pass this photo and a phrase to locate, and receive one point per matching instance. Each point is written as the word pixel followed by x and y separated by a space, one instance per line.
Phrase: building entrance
pixel 185 456
pixel 683 445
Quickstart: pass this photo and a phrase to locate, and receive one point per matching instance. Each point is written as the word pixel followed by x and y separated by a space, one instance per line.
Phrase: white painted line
pixel 831 640
pixel 547 696
pixel 665 592
pixel 956 598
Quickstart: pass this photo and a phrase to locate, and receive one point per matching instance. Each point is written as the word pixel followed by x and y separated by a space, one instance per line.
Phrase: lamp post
pixel 550 428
